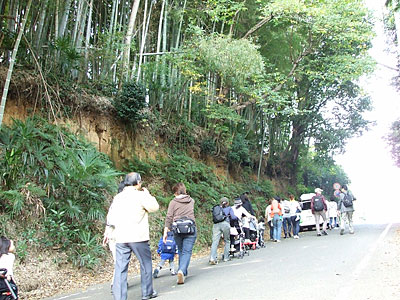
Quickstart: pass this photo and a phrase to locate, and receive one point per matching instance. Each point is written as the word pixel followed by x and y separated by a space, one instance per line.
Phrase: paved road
pixel 311 267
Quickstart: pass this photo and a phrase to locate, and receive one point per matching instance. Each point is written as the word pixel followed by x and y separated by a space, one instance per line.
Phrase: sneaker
pixel 233 249
pixel 278 241
pixel 296 237
pixel 352 232
pixel 181 278
pixel 173 273
pixel 153 295
pixel 324 233
pixel 225 260
pixel 341 231
pixel 318 234
pixel 213 262
pixel 155 273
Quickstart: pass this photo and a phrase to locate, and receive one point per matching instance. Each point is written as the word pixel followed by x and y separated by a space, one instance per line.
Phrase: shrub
pixel 239 152
pixel 61 188
pixel 130 102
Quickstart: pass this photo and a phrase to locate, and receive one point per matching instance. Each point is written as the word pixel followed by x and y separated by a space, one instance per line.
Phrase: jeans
pixel 171 264
pixel 317 215
pixel 123 256
pixel 287 226
pixel 271 230
pixel 332 220
pixel 295 225
pixel 222 228
pixel 185 243
pixel 277 221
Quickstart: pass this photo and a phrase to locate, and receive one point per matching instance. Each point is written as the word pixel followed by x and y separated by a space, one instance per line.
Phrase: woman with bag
pixel 180 219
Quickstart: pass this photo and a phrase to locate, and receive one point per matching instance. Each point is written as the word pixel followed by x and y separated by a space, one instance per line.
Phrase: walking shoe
pixel 173 273
pixel 341 231
pixel 181 278
pixel 213 262
pixel 324 233
pixel 225 260
pixel 318 234
pixel 296 237
pixel 352 232
pixel 278 241
pixel 153 295
pixel 155 273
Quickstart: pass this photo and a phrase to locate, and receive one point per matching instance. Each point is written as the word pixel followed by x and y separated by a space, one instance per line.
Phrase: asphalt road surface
pixel 326 267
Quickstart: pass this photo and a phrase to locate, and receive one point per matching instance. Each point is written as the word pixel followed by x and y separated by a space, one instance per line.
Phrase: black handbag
pixel 184 226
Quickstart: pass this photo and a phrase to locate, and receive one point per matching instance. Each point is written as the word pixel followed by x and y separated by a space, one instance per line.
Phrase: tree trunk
pixel 164 49
pixel 64 19
pixel 87 40
pixel 128 40
pixel 42 19
pixel 12 62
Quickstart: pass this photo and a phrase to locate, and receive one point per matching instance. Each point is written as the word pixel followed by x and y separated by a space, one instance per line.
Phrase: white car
pixel 307 219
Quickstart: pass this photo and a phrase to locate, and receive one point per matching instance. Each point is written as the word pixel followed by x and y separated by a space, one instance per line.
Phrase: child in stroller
pixel 252 242
pixel 8 289
pixel 261 230
pixel 237 239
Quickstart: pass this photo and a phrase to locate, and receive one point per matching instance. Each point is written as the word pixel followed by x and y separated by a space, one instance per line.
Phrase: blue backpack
pixel 169 246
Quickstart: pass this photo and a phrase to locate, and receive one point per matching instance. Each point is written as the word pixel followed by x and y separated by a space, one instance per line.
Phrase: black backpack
pixel 218 214
pixel 318 203
pixel 348 200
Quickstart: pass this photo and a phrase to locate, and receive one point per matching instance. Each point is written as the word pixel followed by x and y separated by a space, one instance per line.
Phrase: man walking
pixel 222 214
pixel 128 214
pixel 318 209
pixel 346 209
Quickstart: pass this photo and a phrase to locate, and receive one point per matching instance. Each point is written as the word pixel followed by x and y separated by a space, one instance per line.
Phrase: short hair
pixel 132 178
pixel 291 196
pixel 179 189
pixel 5 244
pixel 345 187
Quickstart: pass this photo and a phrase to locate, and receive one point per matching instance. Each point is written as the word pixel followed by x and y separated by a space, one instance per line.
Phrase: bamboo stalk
pixel 12 62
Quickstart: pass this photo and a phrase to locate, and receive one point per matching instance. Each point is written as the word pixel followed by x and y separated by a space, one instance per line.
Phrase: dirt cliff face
pixel 108 134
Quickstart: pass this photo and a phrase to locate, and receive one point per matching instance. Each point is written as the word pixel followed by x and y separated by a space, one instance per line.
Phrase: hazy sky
pixel 367 161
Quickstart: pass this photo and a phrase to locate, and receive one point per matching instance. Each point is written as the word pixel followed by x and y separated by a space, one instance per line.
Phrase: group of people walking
pixel 127 229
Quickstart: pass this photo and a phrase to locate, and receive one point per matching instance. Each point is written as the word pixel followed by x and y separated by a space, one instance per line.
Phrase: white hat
pixel 318 190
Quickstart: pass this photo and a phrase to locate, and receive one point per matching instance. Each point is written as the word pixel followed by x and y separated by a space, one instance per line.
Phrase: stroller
pixel 253 235
pixel 237 237
pixel 8 290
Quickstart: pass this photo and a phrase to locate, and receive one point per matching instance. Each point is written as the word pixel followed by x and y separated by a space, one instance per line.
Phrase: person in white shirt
pixel 128 214
pixel 242 214
pixel 332 213
pixel 295 210
pixel 7 258
pixel 269 220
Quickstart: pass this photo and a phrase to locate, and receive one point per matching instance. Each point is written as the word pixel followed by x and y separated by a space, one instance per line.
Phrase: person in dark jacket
pixel 181 207
pixel 318 209
pixel 222 228
pixel 246 203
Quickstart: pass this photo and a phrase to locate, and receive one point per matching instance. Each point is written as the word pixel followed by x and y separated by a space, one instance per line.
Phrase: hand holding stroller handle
pixel 3 272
